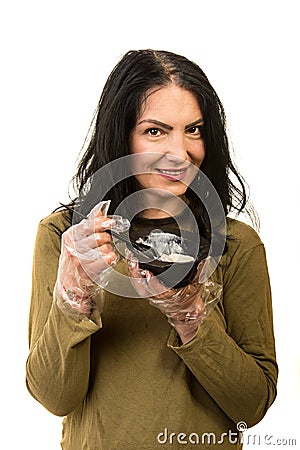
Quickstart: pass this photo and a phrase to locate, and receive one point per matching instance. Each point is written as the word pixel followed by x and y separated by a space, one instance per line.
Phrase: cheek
pixel 144 181
pixel 138 161
pixel 137 144
pixel 198 155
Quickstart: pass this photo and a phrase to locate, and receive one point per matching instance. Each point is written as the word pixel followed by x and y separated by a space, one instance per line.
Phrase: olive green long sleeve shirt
pixel 124 381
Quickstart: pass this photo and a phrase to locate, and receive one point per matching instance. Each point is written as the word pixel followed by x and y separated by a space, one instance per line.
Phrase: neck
pixel 164 207
pixel 153 213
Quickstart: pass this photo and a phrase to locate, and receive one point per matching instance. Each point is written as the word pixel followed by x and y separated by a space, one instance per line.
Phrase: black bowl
pixel 176 274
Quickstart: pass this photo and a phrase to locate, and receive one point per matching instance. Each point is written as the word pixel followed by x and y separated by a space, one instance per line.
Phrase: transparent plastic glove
pixel 86 253
pixel 186 308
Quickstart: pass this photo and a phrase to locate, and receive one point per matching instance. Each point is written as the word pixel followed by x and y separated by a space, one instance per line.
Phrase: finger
pixel 158 289
pixel 138 281
pixel 99 213
pixel 151 285
pixel 103 223
pixel 94 267
pixel 90 226
pixel 105 249
pixel 98 224
pixel 102 238
pixel 91 242
pixel 99 209
pixel 133 268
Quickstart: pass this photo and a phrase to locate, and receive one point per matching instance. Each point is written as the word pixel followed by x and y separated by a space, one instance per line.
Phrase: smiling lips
pixel 172 174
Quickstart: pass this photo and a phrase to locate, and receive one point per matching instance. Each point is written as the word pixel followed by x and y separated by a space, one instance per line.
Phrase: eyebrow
pixel 168 127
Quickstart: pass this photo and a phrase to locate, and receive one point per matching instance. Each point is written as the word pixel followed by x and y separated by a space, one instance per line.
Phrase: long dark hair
pixel 116 115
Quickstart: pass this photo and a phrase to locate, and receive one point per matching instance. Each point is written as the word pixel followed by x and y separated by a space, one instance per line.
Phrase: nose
pixel 176 149
pixel 174 159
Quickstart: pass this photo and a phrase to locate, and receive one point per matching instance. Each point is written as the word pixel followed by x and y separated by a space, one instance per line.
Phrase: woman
pixel 125 374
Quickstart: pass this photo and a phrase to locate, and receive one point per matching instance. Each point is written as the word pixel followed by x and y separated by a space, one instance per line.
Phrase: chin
pixel 178 192
pixel 166 192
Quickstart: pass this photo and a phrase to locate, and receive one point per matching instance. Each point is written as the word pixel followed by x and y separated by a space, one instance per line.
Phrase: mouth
pixel 172 174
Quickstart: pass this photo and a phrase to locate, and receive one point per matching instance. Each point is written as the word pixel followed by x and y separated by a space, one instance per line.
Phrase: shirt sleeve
pixel 234 358
pixel 58 365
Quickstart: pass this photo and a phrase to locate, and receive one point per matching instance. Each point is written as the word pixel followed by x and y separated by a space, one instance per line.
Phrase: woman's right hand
pixel 86 252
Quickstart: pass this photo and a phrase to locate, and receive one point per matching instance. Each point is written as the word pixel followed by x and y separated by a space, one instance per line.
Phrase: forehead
pixel 169 101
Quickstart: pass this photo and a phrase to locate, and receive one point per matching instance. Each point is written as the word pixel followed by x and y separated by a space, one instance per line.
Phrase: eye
pixel 154 132
pixel 195 131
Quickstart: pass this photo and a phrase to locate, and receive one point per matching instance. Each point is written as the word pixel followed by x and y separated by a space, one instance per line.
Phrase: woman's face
pixel 167 138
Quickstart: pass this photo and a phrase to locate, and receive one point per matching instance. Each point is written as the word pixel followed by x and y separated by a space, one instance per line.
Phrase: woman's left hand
pixel 186 307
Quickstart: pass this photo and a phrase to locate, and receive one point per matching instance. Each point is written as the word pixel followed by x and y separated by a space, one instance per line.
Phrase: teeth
pixel 172 172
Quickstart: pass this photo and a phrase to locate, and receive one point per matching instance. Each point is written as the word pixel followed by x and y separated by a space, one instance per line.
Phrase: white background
pixel 55 58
